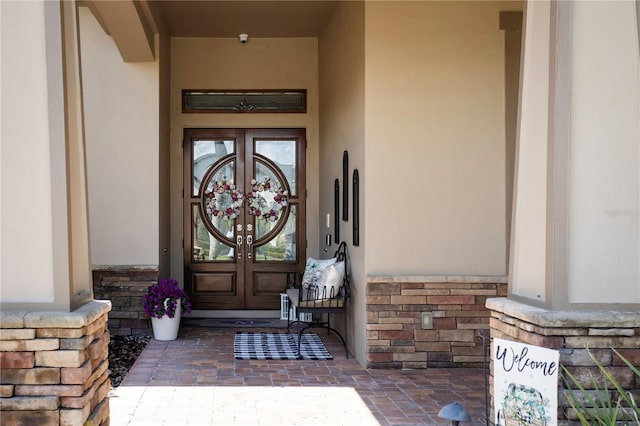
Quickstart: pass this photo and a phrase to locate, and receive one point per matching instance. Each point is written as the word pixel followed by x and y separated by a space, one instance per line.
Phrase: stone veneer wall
pixel 571 332
pixel 125 287
pixel 395 338
pixel 54 367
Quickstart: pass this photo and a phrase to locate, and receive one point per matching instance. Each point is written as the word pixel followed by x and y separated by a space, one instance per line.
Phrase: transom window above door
pixel 284 101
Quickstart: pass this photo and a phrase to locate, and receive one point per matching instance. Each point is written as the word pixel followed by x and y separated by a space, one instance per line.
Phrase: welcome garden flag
pixel 525 384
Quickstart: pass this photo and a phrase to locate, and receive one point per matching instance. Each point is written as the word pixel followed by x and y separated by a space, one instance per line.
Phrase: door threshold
pixel 235 314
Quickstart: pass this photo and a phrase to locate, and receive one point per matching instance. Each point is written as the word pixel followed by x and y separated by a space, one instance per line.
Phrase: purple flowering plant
pixel 162 299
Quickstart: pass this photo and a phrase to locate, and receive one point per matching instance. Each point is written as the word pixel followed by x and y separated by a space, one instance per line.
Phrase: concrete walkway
pixel 195 380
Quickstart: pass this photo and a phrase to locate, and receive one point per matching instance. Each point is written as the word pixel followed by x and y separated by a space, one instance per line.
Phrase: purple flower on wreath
pixel 260 206
pixel 162 299
pixel 220 194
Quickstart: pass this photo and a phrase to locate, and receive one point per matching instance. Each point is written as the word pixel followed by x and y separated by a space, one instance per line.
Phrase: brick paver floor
pixel 195 380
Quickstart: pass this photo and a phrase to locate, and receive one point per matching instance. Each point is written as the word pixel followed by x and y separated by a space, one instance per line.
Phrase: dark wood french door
pixel 244 215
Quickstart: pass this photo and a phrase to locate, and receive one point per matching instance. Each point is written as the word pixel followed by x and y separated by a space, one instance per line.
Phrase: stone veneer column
pixel 395 338
pixel 54 367
pixel 573 334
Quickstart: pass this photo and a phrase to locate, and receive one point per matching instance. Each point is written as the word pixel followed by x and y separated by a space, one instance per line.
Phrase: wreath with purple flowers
pixel 267 199
pixel 223 199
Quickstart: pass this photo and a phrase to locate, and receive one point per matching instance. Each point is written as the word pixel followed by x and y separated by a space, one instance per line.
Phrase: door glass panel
pixel 283 247
pixel 263 227
pixel 217 202
pixel 206 248
pixel 205 154
pixel 283 154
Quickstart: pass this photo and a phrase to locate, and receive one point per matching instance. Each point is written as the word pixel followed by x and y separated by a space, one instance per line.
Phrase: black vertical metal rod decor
pixel 356 208
pixel 336 211
pixel 345 186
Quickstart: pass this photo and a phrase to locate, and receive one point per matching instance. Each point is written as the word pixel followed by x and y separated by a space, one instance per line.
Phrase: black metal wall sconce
pixel 345 200
pixel 345 186
pixel 336 210
pixel 356 208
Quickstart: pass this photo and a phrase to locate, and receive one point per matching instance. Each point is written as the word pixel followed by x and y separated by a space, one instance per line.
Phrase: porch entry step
pixel 234 322
pixel 236 313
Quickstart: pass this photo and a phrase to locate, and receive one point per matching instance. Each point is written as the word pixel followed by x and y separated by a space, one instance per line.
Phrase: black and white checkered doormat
pixel 261 345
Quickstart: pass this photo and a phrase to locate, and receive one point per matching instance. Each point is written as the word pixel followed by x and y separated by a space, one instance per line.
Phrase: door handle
pixel 239 244
pixel 249 242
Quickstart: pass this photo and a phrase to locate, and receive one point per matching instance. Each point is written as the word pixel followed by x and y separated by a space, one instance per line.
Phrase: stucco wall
pixel 44 241
pixel 577 224
pixel 122 132
pixel 435 138
pixel 421 112
pixel 604 158
pixel 225 63
pixel 25 100
pixel 341 61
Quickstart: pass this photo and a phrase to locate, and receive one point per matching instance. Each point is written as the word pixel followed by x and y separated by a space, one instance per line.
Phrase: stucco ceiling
pixel 188 18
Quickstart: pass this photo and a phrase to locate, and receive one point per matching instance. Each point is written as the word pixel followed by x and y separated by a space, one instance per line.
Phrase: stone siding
pixel 395 338
pixel 571 333
pixel 55 367
pixel 125 286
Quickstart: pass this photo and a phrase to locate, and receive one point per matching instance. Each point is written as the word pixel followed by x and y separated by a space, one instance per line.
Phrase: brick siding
pixel 395 338
pixel 125 287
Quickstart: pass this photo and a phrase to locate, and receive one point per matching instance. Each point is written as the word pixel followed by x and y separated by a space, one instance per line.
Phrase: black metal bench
pixel 309 301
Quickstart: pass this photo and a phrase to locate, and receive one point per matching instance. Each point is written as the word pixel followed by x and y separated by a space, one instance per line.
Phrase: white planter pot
pixel 166 328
